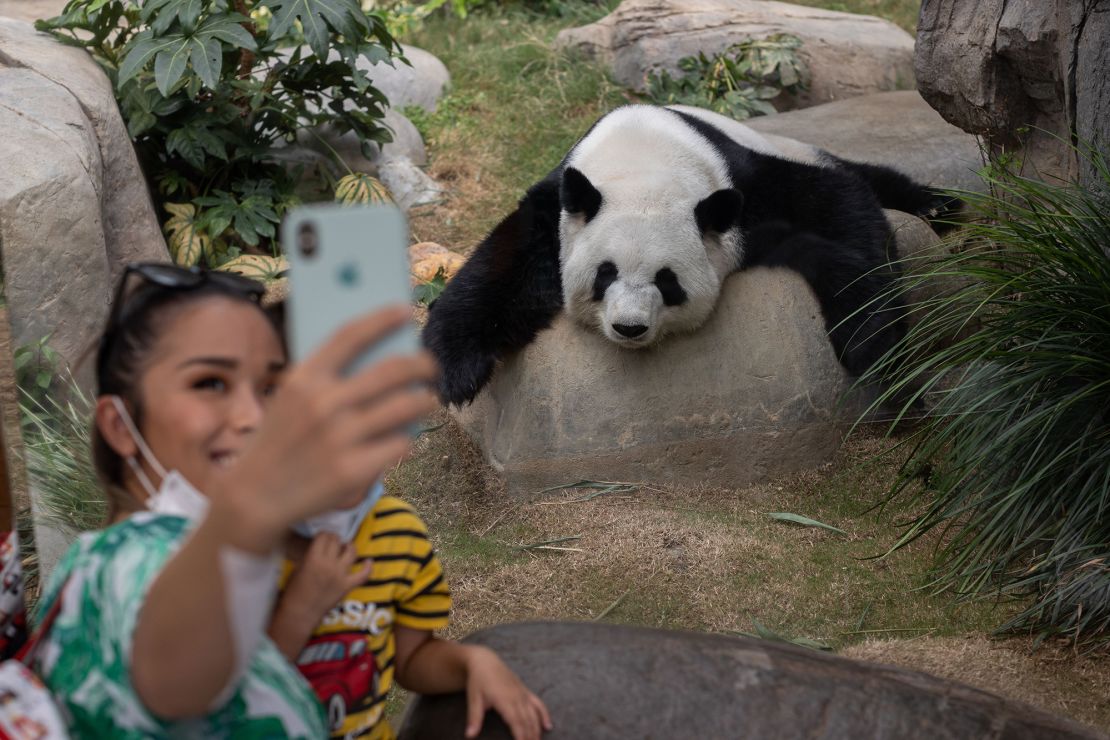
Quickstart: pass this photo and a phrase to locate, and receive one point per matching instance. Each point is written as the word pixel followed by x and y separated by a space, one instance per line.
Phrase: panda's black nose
pixel 630 330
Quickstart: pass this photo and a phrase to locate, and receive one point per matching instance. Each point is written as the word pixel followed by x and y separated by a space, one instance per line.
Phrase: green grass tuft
pixel 1014 360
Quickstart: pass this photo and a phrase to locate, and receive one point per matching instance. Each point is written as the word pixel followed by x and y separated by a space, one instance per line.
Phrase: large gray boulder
pixel 896 129
pixel 399 163
pixel 606 681
pixel 1027 75
pixel 421 82
pixel 754 393
pixel 847 54
pixel 74 207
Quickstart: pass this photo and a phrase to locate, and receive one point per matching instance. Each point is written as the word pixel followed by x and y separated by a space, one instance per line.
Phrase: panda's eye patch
pixel 667 283
pixel 606 274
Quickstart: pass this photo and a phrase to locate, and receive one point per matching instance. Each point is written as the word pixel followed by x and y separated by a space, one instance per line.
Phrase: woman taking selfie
pixel 210 449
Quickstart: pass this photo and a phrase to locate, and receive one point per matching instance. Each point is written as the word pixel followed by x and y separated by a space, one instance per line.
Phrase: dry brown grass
pixel 709 559
pixel 1052 678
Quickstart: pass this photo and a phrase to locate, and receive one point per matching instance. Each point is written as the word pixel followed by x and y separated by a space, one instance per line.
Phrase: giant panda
pixel 634 232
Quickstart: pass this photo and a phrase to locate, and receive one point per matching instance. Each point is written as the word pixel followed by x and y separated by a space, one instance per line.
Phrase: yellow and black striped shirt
pixel 349 659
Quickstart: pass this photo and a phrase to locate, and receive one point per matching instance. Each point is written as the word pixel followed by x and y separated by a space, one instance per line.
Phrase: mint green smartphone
pixel 346 261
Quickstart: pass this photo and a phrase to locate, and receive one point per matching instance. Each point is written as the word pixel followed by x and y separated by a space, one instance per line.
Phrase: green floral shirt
pixel 85 657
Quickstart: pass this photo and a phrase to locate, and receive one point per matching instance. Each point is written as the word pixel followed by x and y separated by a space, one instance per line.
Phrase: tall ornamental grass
pixel 59 458
pixel 1012 359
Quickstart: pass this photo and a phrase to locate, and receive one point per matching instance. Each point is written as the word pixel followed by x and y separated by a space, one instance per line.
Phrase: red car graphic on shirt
pixel 342 672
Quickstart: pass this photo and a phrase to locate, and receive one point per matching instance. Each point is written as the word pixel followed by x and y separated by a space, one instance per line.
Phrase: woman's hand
pixel 326 434
pixel 491 685
pixel 321 579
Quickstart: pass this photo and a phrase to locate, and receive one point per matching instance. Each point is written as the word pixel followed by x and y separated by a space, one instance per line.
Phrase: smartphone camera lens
pixel 306 239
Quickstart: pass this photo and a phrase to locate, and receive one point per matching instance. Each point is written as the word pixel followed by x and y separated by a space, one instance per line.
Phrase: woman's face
pixel 205 386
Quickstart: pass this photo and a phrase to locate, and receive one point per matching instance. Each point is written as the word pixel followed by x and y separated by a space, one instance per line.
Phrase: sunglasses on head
pixel 172 277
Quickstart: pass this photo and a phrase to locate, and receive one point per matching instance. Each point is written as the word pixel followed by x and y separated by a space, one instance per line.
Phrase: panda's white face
pixel 636 277
pixel 648 229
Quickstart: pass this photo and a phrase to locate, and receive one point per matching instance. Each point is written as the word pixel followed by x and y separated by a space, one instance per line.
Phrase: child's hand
pixel 490 684
pixel 325 576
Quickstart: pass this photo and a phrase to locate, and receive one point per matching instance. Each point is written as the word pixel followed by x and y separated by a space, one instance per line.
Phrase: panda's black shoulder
pixel 778 188
pixel 748 167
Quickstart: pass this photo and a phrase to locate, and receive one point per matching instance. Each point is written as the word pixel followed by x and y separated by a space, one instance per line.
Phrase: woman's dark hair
pixel 122 357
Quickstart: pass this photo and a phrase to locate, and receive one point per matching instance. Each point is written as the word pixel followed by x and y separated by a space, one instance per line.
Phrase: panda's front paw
pixel 463 377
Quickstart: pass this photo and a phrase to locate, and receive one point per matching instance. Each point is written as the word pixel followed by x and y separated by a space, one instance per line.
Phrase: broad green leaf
pixel 805 521
pixel 169 65
pixel 189 12
pixel 141 50
pixel 211 143
pixel 228 29
pixel 207 58
pixel 318 19
pixel 183 142
pixel 139 122
pixel 152 8
pixel 217 223
pixel 430 290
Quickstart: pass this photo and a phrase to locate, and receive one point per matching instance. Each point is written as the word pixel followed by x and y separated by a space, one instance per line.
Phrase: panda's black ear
pixel 720 211
pixel 578 195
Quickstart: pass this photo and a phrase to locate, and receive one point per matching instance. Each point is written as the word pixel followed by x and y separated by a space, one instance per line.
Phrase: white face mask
pixel 343 523
pixel 175 495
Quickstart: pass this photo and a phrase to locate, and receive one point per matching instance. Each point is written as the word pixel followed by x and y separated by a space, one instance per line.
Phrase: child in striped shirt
pixel 358 611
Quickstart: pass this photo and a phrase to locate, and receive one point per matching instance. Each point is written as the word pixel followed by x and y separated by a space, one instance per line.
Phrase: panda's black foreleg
pixel 863 315
pixel 901 193
pixel 508 291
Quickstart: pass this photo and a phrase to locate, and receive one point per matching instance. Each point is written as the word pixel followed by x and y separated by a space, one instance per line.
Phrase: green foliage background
pixel 740 82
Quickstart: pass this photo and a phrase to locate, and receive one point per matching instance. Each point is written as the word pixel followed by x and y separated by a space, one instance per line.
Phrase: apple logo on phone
pixel 348 275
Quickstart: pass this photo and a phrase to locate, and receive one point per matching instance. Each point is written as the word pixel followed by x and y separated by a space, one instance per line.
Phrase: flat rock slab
pixel 74 206
pixel 604 681
pixel 754 393
pixel 897 129
pixel 847 54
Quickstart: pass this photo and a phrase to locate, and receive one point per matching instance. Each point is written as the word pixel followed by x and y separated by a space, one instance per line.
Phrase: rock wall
pixel 74 206
pixel 1025 74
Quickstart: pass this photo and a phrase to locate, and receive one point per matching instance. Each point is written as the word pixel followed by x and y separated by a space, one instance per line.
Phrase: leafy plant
pixel 739 82
pixel 214 91
pixel 426 292
pixel 35 367
pixel 1014 358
